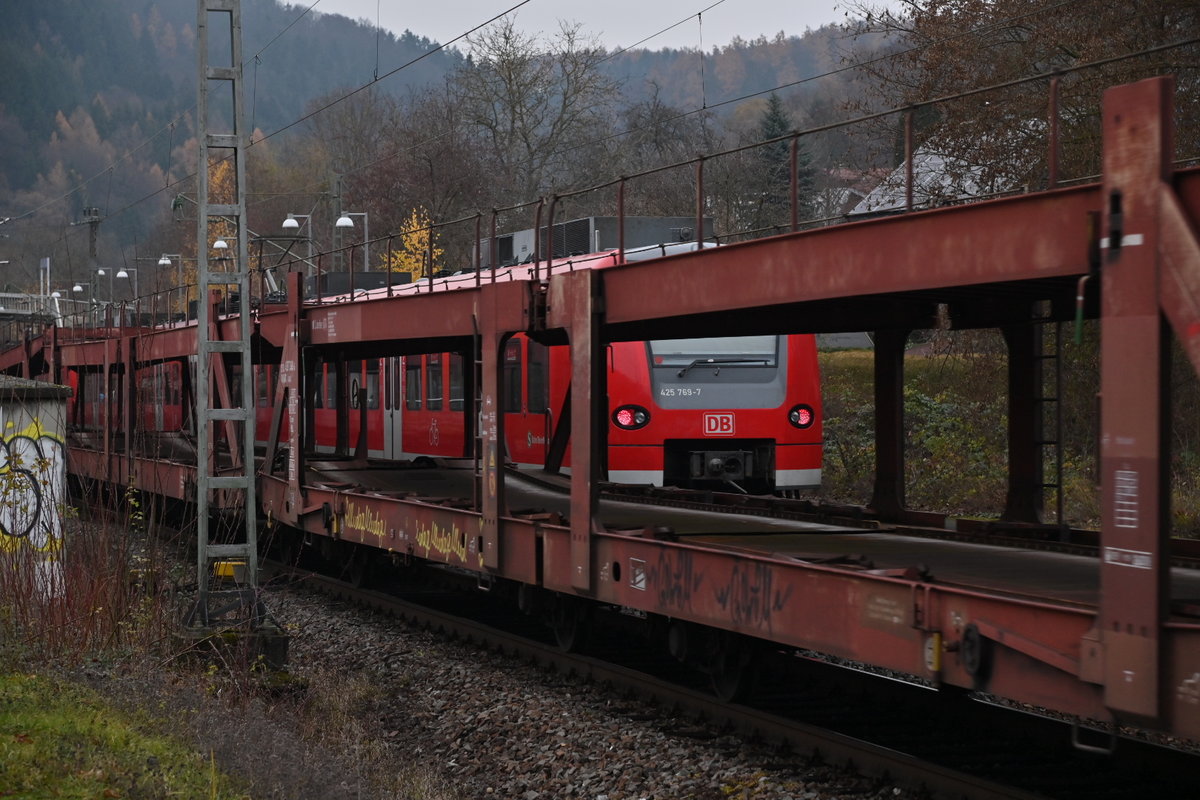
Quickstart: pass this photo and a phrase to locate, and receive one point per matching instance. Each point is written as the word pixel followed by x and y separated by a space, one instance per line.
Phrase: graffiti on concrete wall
pixel 32 478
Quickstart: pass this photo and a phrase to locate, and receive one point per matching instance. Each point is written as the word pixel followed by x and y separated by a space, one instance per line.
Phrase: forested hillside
pixel 128 67
pixel 96 113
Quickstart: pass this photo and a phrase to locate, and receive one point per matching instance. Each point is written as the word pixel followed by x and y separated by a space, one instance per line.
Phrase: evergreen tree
pixel 776 162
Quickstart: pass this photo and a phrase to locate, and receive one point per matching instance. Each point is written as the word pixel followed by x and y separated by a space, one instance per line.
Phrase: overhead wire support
pixel 227 593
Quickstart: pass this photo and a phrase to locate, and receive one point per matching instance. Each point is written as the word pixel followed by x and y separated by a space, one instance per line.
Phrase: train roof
pixel 466 279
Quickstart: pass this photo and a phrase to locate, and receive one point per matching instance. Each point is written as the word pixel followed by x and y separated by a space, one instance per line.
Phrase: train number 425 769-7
pixel 679 391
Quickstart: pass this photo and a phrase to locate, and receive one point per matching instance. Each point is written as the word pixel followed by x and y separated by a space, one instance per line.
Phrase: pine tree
pixel 776 161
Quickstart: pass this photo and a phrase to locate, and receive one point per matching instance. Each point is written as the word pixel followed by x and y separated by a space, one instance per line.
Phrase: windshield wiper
pixel 718 361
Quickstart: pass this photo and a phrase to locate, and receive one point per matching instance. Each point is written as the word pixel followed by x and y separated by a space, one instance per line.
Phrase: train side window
pixel 412 383
pixel 512 377
pixel 457 389
pixel 536 395
pixel 235 387
pixel 329 385
pixel 354 381
pixel 391 383
pixel 260 387
pixel 372 384
pixel 318 387
pixel 433 385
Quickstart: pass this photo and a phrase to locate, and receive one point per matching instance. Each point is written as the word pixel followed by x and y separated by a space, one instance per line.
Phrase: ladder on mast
pixel 226 529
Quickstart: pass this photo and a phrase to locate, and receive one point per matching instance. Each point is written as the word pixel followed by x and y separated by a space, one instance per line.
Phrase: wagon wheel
pixel 289 548
pixel 357 567
pixel 568 620
pixel 731 667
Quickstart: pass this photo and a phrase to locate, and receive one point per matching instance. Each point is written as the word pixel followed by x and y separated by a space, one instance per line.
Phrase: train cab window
pixel 457 390
pixel 412 383
pixel 373 384
pixel 433 382
pixel 511 393
pixel 536 395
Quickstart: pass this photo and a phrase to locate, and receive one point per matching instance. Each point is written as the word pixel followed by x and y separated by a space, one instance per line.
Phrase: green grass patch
pixel 58 740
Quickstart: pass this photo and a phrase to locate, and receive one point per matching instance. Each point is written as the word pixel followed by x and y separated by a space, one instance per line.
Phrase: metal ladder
pixel 220 603
pixel 1049 412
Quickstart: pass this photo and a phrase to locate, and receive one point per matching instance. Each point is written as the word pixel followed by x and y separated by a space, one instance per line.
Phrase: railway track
pixel 943 747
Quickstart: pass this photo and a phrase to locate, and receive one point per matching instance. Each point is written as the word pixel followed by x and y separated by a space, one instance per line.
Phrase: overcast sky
pixel 617 23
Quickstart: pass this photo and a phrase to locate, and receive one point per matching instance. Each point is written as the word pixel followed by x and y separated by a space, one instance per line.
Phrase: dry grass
pixel 956 419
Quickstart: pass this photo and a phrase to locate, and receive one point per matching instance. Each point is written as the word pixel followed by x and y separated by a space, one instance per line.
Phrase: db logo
pixel 718 424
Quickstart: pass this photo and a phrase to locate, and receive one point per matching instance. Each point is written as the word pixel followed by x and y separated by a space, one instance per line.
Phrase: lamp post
pixel 165 261
pixel 345 221
pixel 292 225
pixel 124 273
pixel 78 289
pixel 102 272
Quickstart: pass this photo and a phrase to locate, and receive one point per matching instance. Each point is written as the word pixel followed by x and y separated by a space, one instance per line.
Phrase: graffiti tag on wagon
pixel 31 470
pixel 364 520
pixel 675 578
pixel 750 596
pixel 446 542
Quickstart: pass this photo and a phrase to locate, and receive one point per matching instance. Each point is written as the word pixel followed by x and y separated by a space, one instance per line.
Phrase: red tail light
pixel 802 416
pixel 630 418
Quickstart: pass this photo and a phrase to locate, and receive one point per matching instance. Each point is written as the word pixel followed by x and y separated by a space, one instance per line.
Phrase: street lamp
pixel 292 224
pixel 102 272
pixel 78 289
pixel 344 221
pixel 124 273
pixel 165 261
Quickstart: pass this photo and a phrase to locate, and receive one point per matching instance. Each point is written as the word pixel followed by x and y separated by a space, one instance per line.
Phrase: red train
pixel 740 413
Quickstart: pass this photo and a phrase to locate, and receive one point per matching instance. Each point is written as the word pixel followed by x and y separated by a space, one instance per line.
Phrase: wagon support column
pixel 1134 489
pixel 494 323
pixel 575 304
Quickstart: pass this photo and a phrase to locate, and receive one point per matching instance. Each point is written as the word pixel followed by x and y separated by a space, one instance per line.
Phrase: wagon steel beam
pixel 1018 239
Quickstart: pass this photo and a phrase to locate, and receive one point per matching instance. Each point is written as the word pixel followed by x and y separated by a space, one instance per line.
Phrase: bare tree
pixel 954 46
pixel 431 160
pixel 658 134
pixel 351 128
pixel 542 108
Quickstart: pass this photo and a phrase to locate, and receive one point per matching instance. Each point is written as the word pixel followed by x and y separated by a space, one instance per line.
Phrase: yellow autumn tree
pixel 412 247
pixel 222 188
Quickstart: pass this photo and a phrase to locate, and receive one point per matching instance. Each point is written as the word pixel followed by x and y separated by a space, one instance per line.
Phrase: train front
pixel 733 414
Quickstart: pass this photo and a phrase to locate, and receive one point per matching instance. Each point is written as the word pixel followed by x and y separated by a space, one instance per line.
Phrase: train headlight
pixel 631 418
pixel 802 416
